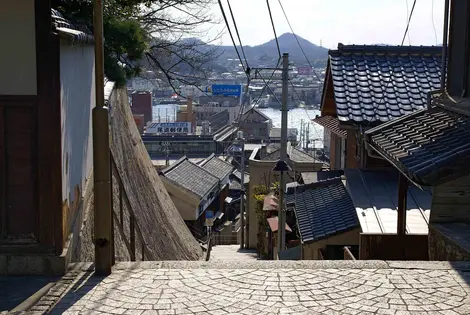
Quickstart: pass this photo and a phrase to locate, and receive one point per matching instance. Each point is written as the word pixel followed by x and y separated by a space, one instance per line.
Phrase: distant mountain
pixel 267 53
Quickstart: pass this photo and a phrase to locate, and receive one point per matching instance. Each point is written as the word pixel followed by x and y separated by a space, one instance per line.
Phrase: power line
pixel 407 14
pixel 269 81
pixel 322 140
pixel 274 30
pixel 432 20
pixel 408 24
pixel 297 40
pixel 238 35
pixel 231 36
pixel 390 78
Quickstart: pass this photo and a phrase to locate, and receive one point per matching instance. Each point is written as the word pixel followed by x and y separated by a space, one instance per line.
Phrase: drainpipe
pixel 101 157
pixel 444 45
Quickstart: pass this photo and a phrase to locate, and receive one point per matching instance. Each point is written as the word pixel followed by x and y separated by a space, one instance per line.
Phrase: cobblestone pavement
pixel 270 290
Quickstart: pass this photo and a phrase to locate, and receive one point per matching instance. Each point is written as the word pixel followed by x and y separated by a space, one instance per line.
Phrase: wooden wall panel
pixel 393 247
pixel 19 218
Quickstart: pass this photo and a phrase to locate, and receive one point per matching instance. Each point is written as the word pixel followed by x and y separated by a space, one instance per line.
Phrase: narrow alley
pixel 232 253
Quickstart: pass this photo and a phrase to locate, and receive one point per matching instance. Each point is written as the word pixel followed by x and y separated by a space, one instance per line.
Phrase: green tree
pixel 150 35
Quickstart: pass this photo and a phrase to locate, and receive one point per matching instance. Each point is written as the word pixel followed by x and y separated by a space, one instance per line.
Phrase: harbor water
pixel 167 113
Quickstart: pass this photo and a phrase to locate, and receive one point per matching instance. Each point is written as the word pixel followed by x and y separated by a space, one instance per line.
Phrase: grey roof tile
pixel 379 83
pixel 217 167
pixel 190 176
pixel 322 209
pixel 429 146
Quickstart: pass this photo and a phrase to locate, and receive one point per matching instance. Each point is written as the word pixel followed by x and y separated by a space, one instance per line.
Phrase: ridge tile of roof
pixel 217 167
pixel 77 34
pixel 374 84
pixel 322 209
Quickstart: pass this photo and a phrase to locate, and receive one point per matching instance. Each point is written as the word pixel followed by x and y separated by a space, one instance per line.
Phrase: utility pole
pixel 281 240
pixel 103 222
pixel 242 191
pixel 308 138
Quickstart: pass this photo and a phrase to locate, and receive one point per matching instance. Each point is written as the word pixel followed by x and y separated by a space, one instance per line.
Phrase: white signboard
pixel 169 128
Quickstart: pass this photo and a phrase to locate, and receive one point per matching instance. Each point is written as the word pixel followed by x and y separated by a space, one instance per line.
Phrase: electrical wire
pixel 269 81
pixel 231 35
pixel 319 137
pixel 390 78
pixel 408 23
pixel 297 40
pixel 238 35
pixel 274 29
pixel 432 20
pixel 407 14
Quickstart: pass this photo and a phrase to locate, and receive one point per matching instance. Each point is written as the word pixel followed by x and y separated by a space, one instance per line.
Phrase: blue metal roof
pixel 379 83
pixel 322 209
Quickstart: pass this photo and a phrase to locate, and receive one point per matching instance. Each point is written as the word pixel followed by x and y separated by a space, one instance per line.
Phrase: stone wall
pixel 443 248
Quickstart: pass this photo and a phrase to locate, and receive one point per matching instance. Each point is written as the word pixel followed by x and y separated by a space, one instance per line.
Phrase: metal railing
pixel 126 220
pixel 347 255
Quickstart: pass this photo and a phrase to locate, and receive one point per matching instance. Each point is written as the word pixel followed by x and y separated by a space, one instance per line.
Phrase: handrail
pixel 347 255
pixel 320 254
pixel 133 225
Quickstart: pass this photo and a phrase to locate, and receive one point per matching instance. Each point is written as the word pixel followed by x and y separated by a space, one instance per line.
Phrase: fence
pixel 124 219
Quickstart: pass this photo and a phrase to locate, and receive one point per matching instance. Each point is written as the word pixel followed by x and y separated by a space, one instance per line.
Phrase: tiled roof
pixel 331 123
pixel 217 167
pixel 429 146
pixel 379 83
pixel 322 209
pixel 190 176
pixel 78 34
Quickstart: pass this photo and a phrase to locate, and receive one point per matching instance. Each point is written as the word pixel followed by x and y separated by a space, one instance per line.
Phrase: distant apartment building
pixel 141 104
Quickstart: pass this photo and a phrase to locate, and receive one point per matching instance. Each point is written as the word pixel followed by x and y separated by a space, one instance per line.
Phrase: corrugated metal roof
pixel 322 209
pixel 294 154
pixel 375 195
pixel 429 146
pixel 379 83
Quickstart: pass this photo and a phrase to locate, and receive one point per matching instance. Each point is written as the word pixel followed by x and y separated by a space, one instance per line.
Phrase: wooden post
pixel 403 184
pixel 132 231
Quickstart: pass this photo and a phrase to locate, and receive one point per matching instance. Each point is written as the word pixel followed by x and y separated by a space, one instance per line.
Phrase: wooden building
pixel 46 97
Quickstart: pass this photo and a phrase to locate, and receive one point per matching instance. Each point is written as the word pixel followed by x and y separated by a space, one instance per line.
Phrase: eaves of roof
pixel 430 146
pixel 332 124
pixel 73 33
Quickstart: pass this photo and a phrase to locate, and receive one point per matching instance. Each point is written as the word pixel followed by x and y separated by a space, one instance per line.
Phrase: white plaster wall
pixel 18 48
pixel 77 76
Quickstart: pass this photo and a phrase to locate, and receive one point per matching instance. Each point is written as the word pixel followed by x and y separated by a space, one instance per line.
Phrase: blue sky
pixel 334 21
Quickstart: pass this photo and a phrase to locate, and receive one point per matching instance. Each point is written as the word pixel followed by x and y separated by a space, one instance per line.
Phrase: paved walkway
pixel 232 252
pixel 272 288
